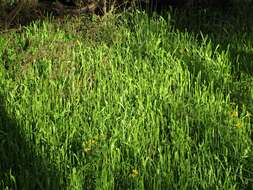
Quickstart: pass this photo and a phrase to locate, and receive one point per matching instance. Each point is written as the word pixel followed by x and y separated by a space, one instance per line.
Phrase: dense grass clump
pixel 127 103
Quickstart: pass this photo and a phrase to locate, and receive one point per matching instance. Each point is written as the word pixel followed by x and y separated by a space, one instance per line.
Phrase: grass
pixel 127 102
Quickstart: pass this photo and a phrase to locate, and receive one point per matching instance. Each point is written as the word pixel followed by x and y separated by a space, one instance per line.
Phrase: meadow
pixel 128 101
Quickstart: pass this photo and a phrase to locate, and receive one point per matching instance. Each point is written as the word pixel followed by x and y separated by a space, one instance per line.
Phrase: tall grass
pixel 127 103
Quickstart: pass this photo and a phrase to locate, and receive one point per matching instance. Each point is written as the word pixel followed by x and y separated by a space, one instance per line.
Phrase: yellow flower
pixel 88 145
pixel 87 149
pixel 239 125
pixel 91 142
pixel 234 114
pixel 134 173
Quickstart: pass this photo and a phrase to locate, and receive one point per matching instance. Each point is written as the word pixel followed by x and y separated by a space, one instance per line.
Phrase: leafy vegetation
pixel 128 101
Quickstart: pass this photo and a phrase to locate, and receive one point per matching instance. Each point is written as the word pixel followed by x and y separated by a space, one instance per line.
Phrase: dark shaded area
pixel 243 60
pixel 20 166
pixel 227 26
pixel 222 26
pixel 14 15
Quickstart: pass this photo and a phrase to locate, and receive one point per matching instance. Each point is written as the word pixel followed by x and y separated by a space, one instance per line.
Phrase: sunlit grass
pixel 126 103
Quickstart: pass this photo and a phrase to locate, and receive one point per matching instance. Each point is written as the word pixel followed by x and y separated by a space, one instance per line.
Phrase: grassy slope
pixel 130 102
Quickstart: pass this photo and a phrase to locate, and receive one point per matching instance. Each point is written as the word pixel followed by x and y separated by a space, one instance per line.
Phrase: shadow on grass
pixel 20 166
pixel 232 27
pixel 245 61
